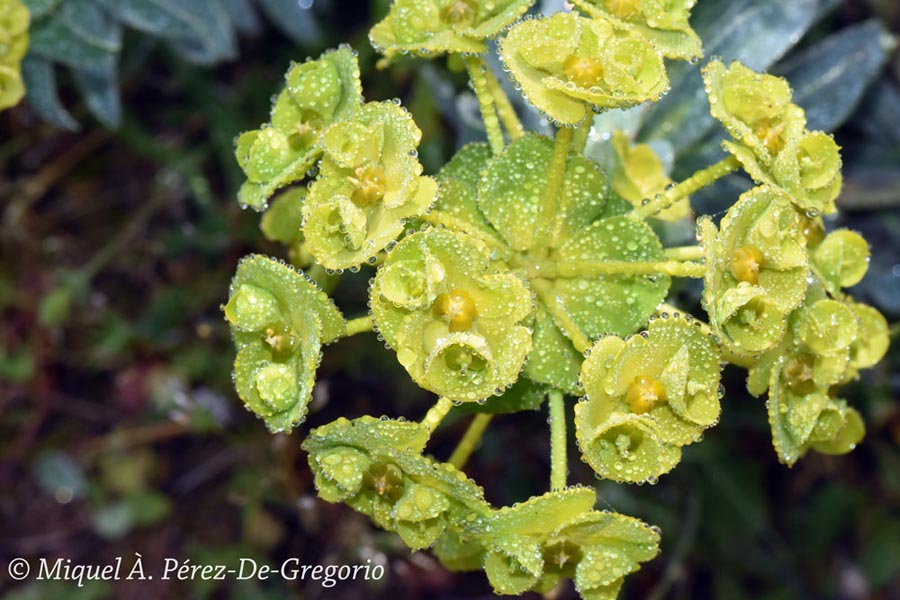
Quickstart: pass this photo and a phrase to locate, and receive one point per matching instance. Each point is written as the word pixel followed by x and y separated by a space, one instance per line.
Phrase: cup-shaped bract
pixel 14 21
pixel 279 320
pixel 567 64
pixel 456 320
pixel 663 22
pixel 842 259
pixel 803 419
pixel 376 467
pixel 757 266
pixel 317 93
pixel 435 27
pixel 535 544
pixel 769 136
pixel 639 175
pixel 369 185
pixel 647 396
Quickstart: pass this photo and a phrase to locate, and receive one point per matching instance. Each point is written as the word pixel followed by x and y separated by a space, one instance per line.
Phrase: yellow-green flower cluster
pixel 279 320
pixel 14 19
pixel 376 467
pixel 434 27
pixel 369 184
pixel 757 267
pixel 827 343
pixel 455 320
pixel 769 136
pixel 663 22
pixel 647 396
pixel 567 64
pixel 317 93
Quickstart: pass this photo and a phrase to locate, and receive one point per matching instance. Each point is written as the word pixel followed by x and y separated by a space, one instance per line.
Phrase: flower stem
pixel 358 325
pixel 504 107
pixel 697 181
pixel 551 215
pixel 592 268
pixel 558 466
pixel 469 440
pixel 684 253
pixel 477 68
pixel 561 316
pixel 436 413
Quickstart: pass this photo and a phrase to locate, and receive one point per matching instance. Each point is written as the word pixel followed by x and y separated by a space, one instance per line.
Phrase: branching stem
pixel 697 181
pixel 358 325
pixel 470 440
pixel 505 109
pixel 477 69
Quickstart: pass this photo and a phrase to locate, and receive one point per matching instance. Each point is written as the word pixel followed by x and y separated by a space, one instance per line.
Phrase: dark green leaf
pixel 40 83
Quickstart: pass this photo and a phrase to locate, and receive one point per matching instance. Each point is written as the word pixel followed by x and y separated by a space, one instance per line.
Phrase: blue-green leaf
pixel 830 77
pixel 40 83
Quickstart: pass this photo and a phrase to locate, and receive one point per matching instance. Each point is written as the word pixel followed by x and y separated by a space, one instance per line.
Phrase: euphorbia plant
pixel 521 271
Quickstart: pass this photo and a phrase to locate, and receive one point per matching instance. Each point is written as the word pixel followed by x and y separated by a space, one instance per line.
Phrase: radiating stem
pixel 436 413
pixel 579 140
pixel 558 466
pixel 561 316
pixel 592 268
pixel 697 181
pixel 358 325
pixel 504 107
pixel 550 209
pixel 684 253
pixel 477 68
pixel 470 440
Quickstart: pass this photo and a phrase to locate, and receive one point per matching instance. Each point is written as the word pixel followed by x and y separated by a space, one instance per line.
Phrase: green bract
pixel 646 397
pixel 663 22
pixel 369 184
pixel 14 20
pixel 279 319
pixel 769 136
pixel 757 268
pixel 842 259
pixel 433 27
pixel 455 320
pixel 376 467
pixel 317 93
pixel 567 64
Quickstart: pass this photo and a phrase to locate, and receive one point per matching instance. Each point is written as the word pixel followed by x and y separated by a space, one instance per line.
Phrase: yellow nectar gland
pixel 798 374
pixel 746 264
pixel 460 12
pixel 385 480
pixel 583 71
pixel 623 8
pixel 643 393
pixel 369 182
pixel 458 308
pixel 769 133
pixel 281 341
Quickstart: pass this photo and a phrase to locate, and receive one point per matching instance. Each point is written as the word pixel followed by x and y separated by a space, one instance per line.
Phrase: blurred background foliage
pixel 119 233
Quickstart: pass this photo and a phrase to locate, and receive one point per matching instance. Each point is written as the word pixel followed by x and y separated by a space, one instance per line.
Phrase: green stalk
pixel 551 215
pixel 436 413
pixel 358 325
pixel 593 268
pixel 504 107
pixel 558 466
pixel 476 69
pixel 561 316
pixel 684 253
pixel 470 440
pixel 697 181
